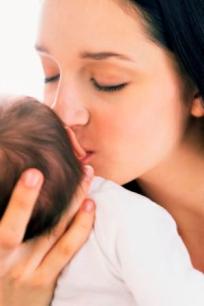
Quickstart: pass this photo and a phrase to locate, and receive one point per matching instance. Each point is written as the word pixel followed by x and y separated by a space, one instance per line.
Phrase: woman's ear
pixel 197 109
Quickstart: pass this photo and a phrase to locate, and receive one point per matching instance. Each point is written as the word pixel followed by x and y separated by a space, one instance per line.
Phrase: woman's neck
pixel 178 185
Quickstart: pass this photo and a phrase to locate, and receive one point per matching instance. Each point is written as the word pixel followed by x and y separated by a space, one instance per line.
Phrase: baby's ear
pixel 197 109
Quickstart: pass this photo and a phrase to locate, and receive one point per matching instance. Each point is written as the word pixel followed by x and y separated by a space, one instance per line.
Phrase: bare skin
pixel 25 267
pixel 138 131
pixel 146 141
pixel 181 193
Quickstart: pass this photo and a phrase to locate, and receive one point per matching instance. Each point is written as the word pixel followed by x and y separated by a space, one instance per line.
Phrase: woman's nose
pixel 69 107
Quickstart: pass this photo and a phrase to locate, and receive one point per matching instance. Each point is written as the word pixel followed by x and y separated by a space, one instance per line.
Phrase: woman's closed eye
pixel 99 87
pixel 53 78
pixel 108 88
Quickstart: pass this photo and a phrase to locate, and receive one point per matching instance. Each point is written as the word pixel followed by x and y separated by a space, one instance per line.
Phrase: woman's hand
pixel 29 271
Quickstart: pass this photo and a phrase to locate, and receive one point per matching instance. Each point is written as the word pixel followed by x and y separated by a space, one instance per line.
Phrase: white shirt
pixel 134 256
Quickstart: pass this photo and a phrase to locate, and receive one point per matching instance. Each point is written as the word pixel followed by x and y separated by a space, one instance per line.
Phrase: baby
pixel 32 136
pixel 134 255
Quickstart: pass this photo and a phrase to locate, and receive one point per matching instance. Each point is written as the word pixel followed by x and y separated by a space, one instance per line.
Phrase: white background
pixel 20 70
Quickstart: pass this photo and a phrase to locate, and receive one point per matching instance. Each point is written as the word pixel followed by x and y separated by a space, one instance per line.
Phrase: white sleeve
pixel 154 262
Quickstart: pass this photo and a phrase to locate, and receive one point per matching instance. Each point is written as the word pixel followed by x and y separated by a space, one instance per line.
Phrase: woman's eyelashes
pixel 99 87
pixel 108 88
pixel 53 78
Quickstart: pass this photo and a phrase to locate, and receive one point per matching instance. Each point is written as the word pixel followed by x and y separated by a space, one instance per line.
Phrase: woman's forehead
pixel 81 24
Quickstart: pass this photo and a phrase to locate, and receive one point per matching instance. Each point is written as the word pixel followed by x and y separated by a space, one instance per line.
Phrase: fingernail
pixel 89 171
pixel 31 177
pixel 88 206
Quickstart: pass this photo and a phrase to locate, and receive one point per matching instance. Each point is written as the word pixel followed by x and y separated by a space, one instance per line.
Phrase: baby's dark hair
pixel 32 136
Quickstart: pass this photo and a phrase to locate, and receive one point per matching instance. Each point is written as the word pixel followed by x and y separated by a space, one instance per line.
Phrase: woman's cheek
pixel 49 96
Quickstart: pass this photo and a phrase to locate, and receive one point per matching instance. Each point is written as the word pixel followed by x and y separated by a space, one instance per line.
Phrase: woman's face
pixel 117 90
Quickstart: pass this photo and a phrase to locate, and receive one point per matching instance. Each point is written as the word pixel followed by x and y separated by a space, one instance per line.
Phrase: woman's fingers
pixel 31 269
pixel 17 215
pixel 37 287
pixel 70 243
pixel 42 246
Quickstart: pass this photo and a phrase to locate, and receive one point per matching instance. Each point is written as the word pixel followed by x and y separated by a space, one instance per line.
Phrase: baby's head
pixel 32 136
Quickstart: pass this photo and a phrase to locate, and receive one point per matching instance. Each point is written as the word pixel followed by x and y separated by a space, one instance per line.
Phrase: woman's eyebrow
pixel 104 55
pixel 93 55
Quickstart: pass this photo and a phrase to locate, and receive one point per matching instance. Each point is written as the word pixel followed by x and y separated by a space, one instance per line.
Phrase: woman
pixel 128 78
